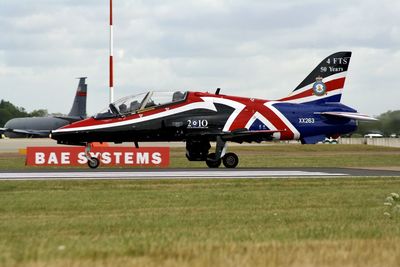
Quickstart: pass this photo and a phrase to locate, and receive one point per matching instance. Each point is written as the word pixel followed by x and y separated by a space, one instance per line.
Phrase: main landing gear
pixel 93 162
pixel 212 162
pixel 197 150
pixel 230 160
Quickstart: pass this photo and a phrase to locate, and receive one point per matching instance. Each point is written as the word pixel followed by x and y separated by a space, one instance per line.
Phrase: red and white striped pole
pixel 111 54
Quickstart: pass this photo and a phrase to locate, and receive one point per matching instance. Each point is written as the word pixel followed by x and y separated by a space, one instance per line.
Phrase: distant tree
pixel 8 111
pixel 365 127
pixel 56 114
pixel 5 115
pixel 388 123
pixel 39 113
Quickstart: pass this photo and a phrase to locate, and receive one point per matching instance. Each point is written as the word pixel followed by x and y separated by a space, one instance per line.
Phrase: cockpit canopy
pixel 137 103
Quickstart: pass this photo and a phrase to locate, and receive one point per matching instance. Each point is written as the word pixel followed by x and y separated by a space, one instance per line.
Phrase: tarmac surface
pixel 145 174
pixel 12 145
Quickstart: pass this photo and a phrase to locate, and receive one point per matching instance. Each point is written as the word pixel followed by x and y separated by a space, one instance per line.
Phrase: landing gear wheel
pixel 230 160
pixel 212 163
pixel 93 163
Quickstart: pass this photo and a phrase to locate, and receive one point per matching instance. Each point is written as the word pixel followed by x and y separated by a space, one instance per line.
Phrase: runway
pixel 144 174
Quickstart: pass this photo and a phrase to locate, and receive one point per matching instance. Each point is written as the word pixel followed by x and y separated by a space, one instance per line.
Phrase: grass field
pixel 221 222
pixel 266 222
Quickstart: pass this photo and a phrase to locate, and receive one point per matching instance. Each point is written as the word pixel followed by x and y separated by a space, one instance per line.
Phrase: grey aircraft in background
pixel 42 126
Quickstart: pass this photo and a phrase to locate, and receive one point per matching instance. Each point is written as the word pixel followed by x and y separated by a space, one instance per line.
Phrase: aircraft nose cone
pixel 60 136
pixel 55 135
pixel 68 138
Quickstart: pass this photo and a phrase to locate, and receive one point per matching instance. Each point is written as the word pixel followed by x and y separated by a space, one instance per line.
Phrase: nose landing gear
pixel 93 162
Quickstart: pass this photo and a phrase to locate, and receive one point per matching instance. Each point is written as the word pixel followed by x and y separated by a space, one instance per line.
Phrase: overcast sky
pixel 255 48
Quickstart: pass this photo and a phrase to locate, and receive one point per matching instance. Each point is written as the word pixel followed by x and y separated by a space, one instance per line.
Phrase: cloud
pixel 262 47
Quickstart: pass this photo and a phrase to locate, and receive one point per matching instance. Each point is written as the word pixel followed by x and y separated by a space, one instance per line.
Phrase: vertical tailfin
pixel 325 83
pixel 79 106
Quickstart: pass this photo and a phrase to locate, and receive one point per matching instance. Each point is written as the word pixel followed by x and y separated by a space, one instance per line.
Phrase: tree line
pixel 388 123
pixel 8 111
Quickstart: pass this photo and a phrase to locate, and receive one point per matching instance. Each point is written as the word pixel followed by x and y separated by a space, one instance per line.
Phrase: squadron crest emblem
pixel 319 88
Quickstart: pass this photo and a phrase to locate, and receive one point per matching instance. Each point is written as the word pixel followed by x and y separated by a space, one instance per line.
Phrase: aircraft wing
pixel 247 135
pixel 38 133
pixel 349 115
pixel 243 135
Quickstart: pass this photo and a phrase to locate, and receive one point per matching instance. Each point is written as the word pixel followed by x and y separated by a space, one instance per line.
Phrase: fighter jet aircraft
pixel 42 126
pixel 310 113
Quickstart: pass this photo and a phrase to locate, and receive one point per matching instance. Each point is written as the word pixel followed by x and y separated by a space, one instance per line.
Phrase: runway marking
pixel 140 175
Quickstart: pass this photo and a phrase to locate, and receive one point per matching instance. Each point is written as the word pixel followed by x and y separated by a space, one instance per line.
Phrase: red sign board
pixel 108 156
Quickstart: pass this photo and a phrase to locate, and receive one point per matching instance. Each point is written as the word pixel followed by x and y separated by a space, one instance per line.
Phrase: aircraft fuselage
pixel 310 113
pixel 204 116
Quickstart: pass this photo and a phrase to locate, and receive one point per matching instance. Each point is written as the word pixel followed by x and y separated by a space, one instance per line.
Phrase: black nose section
pixel 67 138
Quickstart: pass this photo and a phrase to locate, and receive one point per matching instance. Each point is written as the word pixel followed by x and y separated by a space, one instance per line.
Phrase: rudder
pixel 79 106
pixel 325 83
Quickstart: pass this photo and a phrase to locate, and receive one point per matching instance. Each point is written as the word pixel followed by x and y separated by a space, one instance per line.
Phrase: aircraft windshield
pixel 137 103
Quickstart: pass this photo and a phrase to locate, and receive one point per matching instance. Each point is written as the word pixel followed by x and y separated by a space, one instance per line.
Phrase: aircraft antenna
pixel 111 67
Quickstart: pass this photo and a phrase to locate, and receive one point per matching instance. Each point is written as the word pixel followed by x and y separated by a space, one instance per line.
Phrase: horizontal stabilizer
pixel 349 115
pixel 70 119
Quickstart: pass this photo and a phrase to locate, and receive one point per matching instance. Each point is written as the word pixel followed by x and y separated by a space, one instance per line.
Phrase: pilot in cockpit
pixel 123 109
pixel 178 95
pixel 135 105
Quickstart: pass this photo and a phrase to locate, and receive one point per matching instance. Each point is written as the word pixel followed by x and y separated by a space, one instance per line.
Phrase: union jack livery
pixel 310 113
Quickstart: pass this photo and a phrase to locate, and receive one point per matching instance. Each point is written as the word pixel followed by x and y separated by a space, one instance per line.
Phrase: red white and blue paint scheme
pixel 311 113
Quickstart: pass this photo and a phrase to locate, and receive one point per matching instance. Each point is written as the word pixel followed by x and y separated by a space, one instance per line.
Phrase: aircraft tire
pixel 230 160
pixel 93 163
pixel 213 163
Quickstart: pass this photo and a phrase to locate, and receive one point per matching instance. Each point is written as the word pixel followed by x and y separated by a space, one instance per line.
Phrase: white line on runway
pixel 159 175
